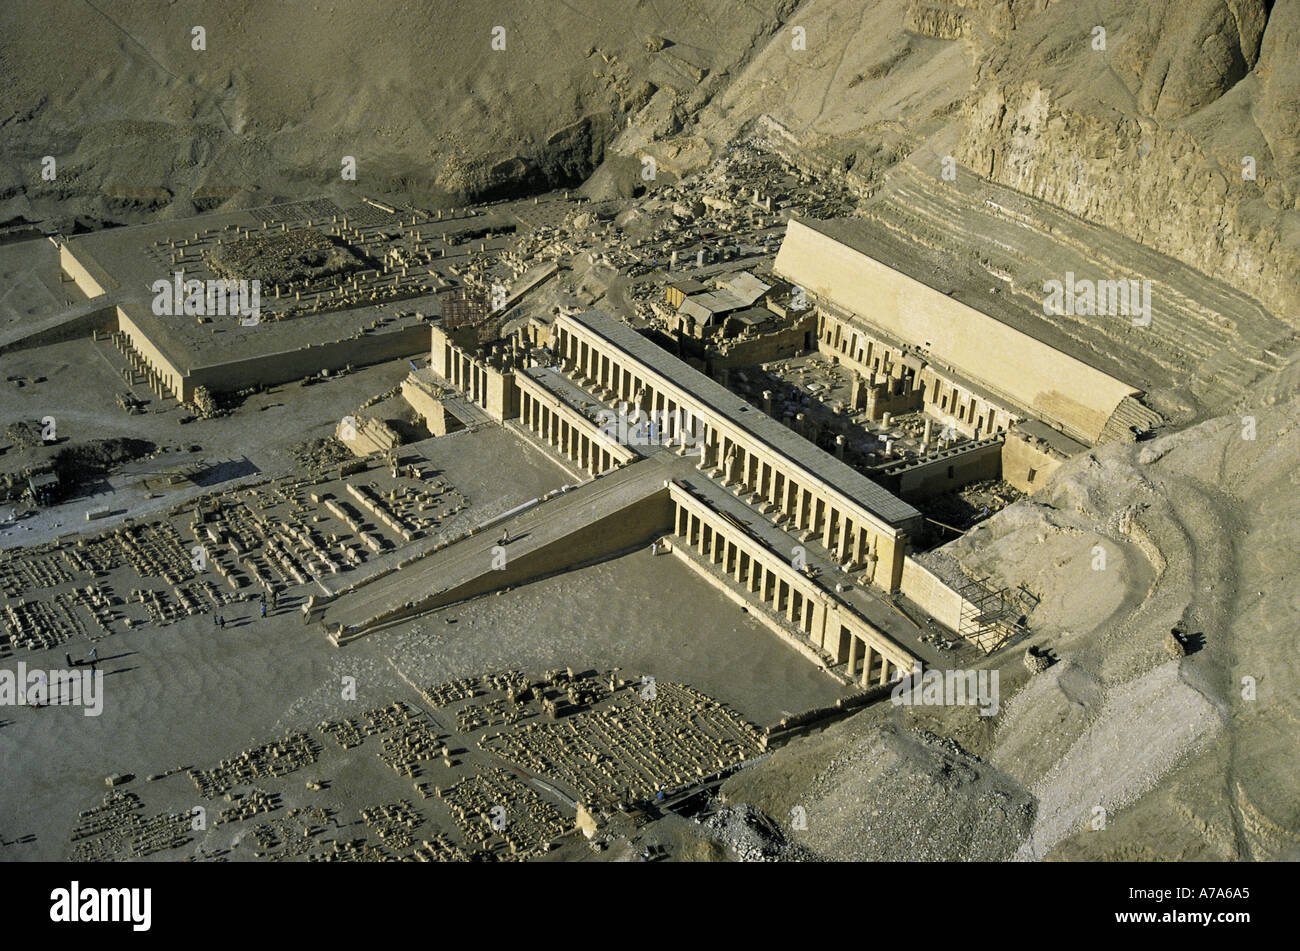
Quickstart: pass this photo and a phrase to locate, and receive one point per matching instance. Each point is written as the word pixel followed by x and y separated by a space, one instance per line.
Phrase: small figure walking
pixel 221 622
pixel 68 657
pixel 263 609
pixel 505 536
pixel 94 657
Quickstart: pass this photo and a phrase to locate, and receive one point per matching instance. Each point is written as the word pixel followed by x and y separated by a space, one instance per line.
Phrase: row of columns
pixel 952 395
pixel 860 652
pixel 615 383
pixel 847 538
pixel 571 440
pixel 466 374
pixel 771 587
pixel 774 589
pixel 158 384
pixel 800 506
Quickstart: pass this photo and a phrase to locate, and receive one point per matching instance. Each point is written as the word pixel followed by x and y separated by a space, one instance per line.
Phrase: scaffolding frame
pixel 989 612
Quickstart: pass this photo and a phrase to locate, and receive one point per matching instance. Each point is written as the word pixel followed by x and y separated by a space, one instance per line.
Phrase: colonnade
pixel 571 434
pixel 465 373
pixel 774 582
pixel 785 489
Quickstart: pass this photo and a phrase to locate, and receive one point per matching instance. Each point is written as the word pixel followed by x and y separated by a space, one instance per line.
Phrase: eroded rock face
pixel 1184 54
pixel 1149 135
pixel 1278 103
pixel 1149 182
pixel 443 104
pixel 1152 129
pixel 1155 140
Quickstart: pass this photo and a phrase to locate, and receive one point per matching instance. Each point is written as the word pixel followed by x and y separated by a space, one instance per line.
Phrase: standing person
pixel 94 657
pixel 221 622
pixel 263 609
pixel 68 657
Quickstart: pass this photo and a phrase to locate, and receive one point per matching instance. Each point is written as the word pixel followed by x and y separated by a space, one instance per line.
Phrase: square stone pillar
pixel 847 528
pixel 831 641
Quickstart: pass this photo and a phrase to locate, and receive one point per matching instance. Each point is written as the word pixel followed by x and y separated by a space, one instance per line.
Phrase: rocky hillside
pixel 1145 128
pixel 437 102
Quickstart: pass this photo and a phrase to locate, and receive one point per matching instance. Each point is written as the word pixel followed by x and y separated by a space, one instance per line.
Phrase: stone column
pixel 853 654
pixel 867 661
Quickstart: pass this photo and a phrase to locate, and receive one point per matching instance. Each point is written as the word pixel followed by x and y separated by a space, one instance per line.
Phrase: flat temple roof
pixel 749 419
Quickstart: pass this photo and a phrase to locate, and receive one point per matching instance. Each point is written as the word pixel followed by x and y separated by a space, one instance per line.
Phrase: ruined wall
pixel 934 596
pixel 1026 466
pixel 931 594
pixel 286 366
pixel 88 284
pixel 948 472
pixel 424 400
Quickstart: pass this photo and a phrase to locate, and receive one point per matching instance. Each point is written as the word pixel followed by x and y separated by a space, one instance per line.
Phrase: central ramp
pixel 620 511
